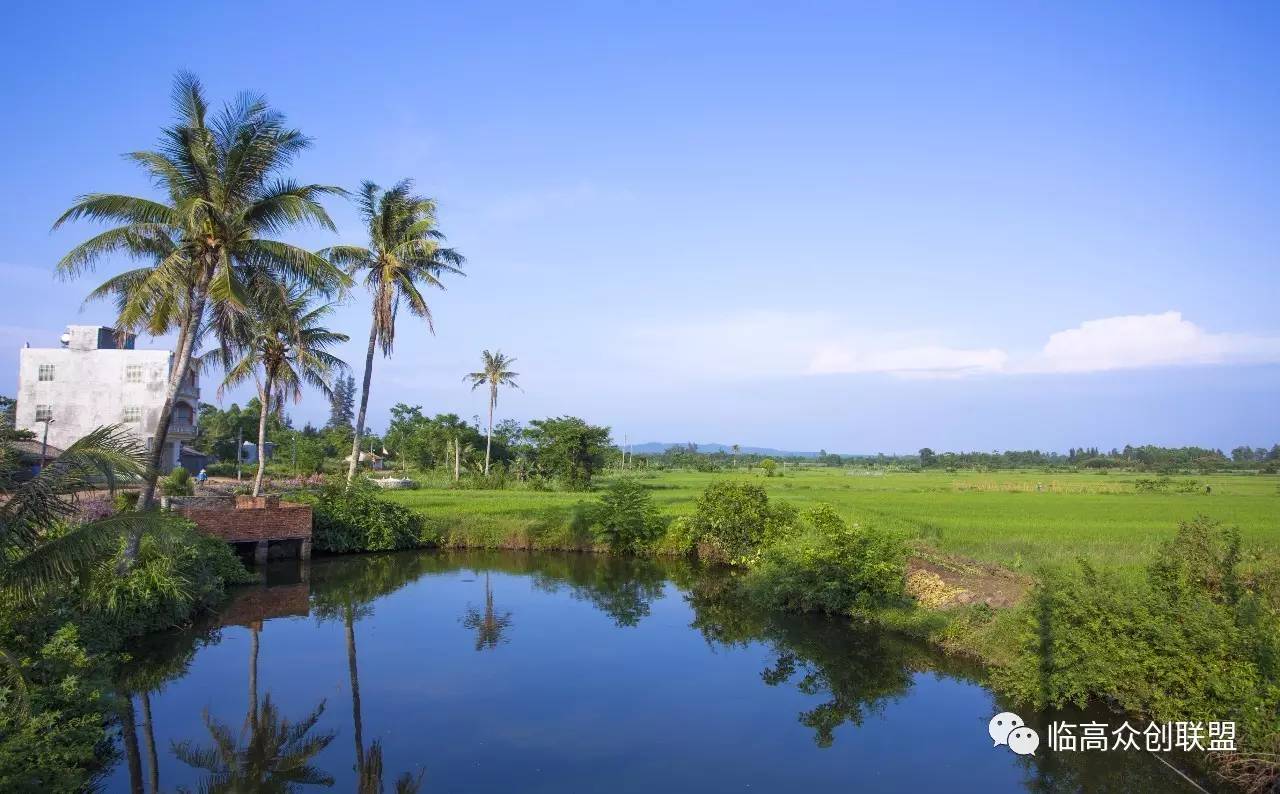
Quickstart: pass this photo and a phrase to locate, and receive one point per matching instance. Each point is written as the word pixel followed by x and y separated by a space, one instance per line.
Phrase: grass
pixel 997 517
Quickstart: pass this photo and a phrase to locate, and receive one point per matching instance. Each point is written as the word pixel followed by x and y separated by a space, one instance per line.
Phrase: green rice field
pixel 1017 519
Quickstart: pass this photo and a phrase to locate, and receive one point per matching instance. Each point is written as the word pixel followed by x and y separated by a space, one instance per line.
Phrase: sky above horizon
pixel 859 227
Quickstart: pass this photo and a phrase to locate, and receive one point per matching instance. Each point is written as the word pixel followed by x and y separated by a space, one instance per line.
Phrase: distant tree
pixel 569 449
pixel 404 255
pixel 769 466
pixel 9 420
pixel 342 403
pixel 1242 454
pixel 928 458
pixel 736 449
pixel 495 373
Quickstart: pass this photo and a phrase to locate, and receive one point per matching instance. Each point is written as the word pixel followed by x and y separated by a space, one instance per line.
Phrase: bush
pixel 829 566
pixel 177 483
pixel 625 518
pixel 179 572
pixel 732 519
pixel 769 465
pixel 1192 642
pixel 220 469
pixel 357 518
pixel 66 646
pixel 679 538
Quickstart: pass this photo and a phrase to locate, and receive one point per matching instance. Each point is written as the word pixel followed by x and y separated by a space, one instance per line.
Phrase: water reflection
pixel 490 625
pixel 270 754
pixel 441 712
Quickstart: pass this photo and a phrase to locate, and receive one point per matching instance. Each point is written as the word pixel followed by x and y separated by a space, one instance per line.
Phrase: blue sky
pixel 864 227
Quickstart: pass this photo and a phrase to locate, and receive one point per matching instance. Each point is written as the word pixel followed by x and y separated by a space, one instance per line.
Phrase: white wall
pixel 89 390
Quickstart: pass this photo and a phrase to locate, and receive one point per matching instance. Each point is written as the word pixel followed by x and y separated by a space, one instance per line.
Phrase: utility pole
pixel 295 453
pixel 44 445
pixel 239 452
pixel 457 459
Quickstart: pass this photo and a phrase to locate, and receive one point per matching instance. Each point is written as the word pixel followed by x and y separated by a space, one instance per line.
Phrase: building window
pixel 46 372
pixel 182 414
pixel 133 373
pixel 132 414
pixel 44 413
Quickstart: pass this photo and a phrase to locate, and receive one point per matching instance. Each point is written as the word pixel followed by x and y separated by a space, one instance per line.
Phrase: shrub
pixel 220 469
pixel 357 518
pixel 679 538
pixel 625 518
pixel 1189 643
pixel 829 566
pixel 769 465
pixel 177 483
pixel 179 571
pixel 732 519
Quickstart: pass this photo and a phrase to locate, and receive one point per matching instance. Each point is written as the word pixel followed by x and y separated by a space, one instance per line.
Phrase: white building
pixel 96 379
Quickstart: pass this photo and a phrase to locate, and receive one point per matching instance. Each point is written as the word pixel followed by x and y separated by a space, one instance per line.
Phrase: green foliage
pixel 51 743
pixel 569 449
pixel 625 517
pixel 357 518
pixel 829 566
pixel 731 519
pixel 179 571
pixel 428 442
pixel 769 466
pixel 680 539
pixel 1189 643
pixel 177 483
pixel 67 646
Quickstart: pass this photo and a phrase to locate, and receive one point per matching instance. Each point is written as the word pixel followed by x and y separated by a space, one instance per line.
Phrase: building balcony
pixel 181 429
pixel 186 389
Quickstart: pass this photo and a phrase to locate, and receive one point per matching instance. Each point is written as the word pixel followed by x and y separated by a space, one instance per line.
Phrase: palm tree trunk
pixel 129 727
pixel 181 367
pixel 149 739
pixel 262 437
pixel 364 402
pixel 488 439
pixel 355 688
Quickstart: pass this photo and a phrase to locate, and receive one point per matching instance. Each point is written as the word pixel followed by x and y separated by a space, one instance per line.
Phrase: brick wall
pixel 252 518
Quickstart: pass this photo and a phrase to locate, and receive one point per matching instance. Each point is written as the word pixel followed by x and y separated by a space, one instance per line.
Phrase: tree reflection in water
pixel 857 672
pixel 272 755
pixel 490 626
pixel 849 673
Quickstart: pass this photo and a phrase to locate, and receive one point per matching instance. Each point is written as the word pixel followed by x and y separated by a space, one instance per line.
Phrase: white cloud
pixel 784 344
pixel 927 361
pixel 1147 340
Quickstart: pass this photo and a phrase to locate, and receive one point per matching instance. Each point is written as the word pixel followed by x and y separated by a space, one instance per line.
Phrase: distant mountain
pixel 658 447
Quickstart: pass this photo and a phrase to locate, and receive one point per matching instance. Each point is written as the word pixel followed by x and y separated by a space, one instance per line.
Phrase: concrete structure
pixel 249 451
pixel 96 379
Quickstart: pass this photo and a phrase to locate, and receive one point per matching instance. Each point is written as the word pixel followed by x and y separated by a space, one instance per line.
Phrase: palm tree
pixel 736 449
pixel 403 256
pixel 224 201
pixel 281 344
pixel 30 558
pixel 494 374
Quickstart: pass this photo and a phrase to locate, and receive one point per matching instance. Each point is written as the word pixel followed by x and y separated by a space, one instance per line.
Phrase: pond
pixel 548 672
